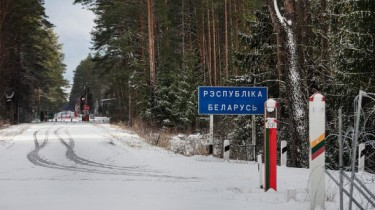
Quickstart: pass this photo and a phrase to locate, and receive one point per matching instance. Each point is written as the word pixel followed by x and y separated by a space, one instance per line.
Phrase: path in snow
pixel 78 166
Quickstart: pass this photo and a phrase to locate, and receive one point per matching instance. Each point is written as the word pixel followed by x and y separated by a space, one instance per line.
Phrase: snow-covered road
pixel 79 166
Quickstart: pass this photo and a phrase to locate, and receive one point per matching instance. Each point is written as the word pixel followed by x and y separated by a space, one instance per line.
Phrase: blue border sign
pixel 231 100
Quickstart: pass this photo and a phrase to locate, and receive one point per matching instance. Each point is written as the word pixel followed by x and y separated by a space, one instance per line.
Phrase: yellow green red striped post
pixel 317 150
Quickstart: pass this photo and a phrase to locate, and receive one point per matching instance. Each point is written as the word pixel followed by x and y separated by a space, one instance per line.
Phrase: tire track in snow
pixel 34 156
pixel 71 155
pixel 97 168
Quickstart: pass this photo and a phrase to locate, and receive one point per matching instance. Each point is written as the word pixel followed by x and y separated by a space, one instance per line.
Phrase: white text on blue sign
pixel 231 100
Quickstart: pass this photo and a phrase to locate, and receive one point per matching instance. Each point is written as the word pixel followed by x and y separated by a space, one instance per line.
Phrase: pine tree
pixel 185 104
pixel 30 61
pixel 353 47
pixel 257 59
pixel 353 55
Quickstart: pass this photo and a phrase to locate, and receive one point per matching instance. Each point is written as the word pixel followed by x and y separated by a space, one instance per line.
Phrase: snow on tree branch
pixel 282 20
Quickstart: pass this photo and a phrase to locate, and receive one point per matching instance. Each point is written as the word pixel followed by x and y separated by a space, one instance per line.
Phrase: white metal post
pixel 226 151
pixel 291 194
pixel 341 162
pixel 283 153
pixel 354 144
pixel 361 158
pixel 317 151
pixel 253 134
pixel 260 171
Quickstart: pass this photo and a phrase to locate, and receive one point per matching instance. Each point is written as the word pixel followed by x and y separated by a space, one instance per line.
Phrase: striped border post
pixel 317 150
pixel 283 153
pixel 226 151
pixel 361 157
pixel 270 145
pixel 260 171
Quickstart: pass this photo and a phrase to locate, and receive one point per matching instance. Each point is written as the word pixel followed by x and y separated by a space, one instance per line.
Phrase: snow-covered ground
pixel 79 166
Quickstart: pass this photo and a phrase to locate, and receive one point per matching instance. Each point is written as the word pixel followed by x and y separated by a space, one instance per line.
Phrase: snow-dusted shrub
pixel 195 144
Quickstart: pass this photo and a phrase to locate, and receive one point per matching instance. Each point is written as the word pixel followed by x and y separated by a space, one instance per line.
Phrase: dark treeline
pixel 31 65
pixel 150 57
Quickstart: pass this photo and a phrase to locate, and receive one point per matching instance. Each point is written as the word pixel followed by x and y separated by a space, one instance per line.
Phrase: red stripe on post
pixel 317 153
pixel 313 96
pixel 273 158
pixel 267 159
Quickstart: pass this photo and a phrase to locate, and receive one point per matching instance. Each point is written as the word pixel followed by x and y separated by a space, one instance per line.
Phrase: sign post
pixel 232 101
pixel 317 150
pixel 253 135
pixel 211 136
pixel 270 145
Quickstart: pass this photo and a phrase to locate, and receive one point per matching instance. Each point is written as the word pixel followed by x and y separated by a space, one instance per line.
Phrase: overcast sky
pixel 73 25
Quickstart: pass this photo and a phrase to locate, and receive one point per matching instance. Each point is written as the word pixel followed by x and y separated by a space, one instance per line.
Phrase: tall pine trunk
pixel 293 78
pixel 226 39
pixel 209 49
pixel 214 44
pixel 151 41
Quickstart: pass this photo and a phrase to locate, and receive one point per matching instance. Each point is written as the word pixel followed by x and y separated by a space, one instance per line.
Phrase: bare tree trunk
pixel 202 44
pixel 4 11
pixel 226 39
pixel 123 102
pixel 235 37
pixel 151 39
pixel 142 31
pixel 183 31
pixel 232 34
pixel 324 44
pixel 279 43
pixel 294 81
pixel 209 49
pixel 214 43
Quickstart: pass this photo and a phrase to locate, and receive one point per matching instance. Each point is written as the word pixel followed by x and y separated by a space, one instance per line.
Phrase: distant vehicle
pixel 64 116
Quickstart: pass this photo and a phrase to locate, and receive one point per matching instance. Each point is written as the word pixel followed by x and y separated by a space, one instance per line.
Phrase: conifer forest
pixel 149 57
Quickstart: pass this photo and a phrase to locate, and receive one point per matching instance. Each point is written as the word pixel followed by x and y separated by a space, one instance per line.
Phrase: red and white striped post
pixel 260 171
pixel 317 150
pixel 361 157
pixel 270 145
pixel 226 151
pixel 283 153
